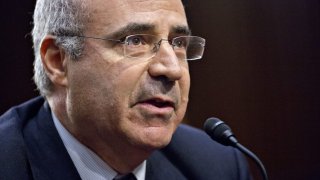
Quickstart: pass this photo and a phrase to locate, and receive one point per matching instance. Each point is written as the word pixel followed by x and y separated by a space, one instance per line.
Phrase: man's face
pixel 119 100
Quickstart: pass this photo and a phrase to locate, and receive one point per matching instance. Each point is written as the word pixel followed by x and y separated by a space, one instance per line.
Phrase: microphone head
pixel 219 131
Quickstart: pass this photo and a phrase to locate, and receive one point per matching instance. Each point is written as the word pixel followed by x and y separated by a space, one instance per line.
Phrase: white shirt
pixel 88 164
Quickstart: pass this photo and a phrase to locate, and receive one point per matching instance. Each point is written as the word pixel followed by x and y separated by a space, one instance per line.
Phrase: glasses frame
pixel 157 44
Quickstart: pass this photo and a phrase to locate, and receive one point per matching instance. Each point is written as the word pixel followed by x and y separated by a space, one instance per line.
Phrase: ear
pixel 54 61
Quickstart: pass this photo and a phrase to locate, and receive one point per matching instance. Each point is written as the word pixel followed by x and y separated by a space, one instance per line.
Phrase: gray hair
pixel 63 19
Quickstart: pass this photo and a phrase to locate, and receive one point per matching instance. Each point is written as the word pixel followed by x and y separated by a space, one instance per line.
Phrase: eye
pixel 180 42
pixel 135 40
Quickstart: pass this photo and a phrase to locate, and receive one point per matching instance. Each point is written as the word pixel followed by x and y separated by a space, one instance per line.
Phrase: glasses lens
pixel 189 47
pixel 139 45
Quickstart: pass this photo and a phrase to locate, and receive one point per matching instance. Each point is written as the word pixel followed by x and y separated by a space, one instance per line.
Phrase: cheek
pixel 184 85
pixel 91 87
pixel 107 89
pixel 130 75
pixel 90 96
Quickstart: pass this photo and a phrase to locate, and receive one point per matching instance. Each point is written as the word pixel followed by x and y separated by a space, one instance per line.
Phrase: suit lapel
pixel 48 156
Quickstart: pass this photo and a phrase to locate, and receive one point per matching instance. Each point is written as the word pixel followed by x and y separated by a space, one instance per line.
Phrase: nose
pixel 165 63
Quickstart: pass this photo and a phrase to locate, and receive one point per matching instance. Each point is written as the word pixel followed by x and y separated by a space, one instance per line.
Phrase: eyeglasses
pixel 144 46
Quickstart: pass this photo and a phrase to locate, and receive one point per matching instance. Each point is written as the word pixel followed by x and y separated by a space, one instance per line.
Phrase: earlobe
pixel 54 61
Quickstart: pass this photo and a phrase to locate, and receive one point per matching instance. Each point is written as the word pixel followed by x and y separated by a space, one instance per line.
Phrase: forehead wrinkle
pixel 170 5
pixel 136 28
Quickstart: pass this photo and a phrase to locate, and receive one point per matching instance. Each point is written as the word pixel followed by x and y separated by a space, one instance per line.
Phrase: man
pixel 114 80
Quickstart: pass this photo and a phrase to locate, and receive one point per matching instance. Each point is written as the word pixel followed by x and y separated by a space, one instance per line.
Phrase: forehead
pixel 108 16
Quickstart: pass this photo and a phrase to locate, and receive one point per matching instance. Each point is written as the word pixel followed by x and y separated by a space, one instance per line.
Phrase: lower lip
pixel 154 109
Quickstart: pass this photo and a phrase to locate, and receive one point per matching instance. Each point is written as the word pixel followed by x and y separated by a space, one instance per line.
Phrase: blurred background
pixel 260 74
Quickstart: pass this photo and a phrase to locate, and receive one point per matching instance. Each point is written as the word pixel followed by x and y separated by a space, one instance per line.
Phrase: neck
pixel 122 157
pixel 118 153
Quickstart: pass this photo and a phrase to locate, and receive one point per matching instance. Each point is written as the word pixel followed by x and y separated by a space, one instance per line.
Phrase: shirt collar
pixel 88 164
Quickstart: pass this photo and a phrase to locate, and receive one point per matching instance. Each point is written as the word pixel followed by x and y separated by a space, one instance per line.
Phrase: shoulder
pixel 11 137
pixel 16 117
pixel 190 140
pixel 197 141
pixel 13 121
pixel 196 154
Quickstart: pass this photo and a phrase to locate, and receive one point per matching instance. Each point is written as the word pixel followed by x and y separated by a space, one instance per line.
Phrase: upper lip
pixel 159 101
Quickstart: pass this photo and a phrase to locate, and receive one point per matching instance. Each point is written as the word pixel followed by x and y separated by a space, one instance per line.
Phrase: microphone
pixel 221 132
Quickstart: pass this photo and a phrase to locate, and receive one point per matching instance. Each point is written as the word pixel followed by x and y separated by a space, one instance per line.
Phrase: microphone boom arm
pixel 254 158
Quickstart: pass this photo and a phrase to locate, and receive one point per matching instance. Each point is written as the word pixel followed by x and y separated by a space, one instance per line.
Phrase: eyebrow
pixel 181 30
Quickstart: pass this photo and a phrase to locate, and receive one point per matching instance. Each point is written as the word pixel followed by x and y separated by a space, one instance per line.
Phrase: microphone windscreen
pixel 218 130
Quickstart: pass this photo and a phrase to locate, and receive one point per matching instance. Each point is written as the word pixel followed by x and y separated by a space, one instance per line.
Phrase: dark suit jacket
pixel 30 148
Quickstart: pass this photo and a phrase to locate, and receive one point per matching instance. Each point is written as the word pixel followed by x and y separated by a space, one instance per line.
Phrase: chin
pixel 151 132
pixel 155 137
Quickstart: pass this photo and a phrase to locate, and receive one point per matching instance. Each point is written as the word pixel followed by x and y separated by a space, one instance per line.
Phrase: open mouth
pixel 159 103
